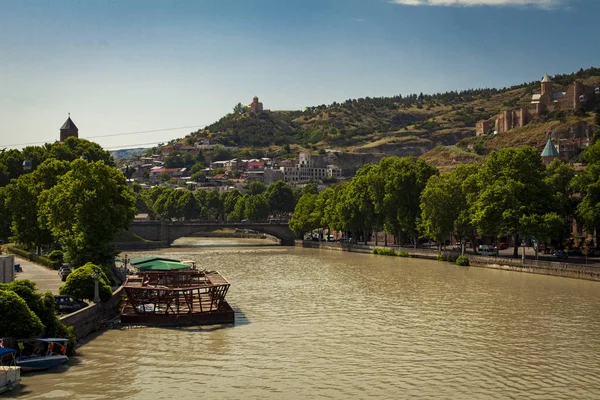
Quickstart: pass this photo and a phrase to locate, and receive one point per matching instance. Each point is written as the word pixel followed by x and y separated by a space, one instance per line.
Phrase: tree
pixel 81 284
pixel 303 219
pixel 240 109
pixel 257 208
pixel 440 208
pixel 510 186
pixel 84 211
pixel 405 179
pixel 198 177
pixel 22 202
pixel 5 217
pixel 214 205
pixel 239 211
pixel 230 200
pixel 256 187
pixel 16 319
pixel 280 197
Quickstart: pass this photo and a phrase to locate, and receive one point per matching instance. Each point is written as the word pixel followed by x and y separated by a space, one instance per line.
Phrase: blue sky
pixel 126 66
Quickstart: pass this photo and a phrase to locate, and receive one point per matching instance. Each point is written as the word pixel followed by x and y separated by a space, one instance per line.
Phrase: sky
pixel 167 68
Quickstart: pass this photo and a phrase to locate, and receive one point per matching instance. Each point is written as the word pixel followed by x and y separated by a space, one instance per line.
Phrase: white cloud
pixel 469 3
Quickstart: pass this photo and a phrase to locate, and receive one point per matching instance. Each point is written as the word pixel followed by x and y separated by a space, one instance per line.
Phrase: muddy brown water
pixel 327 324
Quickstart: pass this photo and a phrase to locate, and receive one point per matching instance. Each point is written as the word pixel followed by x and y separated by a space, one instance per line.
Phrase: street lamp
pixel 96 276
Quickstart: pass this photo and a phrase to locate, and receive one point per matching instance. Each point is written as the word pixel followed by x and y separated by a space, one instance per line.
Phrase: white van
pixel 487 250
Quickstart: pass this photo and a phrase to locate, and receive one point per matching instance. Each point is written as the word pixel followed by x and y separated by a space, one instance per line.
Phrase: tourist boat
pixel 48 353
pixel 172 293
pixel 10 373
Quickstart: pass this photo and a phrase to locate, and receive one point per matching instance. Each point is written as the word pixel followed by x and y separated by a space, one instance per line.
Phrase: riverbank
pixel 565 270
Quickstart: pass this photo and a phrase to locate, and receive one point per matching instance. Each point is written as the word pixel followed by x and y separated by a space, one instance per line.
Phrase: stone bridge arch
pixel 169 231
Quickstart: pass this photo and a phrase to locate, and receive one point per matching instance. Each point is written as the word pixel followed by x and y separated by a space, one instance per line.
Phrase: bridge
pixel 167 231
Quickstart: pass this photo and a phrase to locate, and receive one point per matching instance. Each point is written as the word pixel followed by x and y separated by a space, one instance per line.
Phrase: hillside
pixel 400 125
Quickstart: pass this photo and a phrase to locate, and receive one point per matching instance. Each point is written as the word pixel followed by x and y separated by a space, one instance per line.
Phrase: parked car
pixel 246 221
pixel 430 243
pixel 487 250
pixel 307 237
pixel 63 272
pixel 560 254
pixel 502 246
pixel 65 304
pixel 331 238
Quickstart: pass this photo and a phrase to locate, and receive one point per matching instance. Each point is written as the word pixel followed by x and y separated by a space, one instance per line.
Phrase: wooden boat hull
pixel 41 363
pixel 225 315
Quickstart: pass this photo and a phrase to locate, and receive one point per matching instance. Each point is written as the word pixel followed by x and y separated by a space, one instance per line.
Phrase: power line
pixel 111 135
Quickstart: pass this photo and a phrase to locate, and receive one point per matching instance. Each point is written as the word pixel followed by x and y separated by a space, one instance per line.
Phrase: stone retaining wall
pixel 89 319
pixel 567 270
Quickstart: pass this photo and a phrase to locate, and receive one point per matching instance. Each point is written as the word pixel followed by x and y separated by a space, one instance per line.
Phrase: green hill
pixel 399 125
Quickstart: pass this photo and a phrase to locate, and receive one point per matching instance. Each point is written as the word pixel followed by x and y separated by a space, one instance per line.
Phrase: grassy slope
pixel 389 127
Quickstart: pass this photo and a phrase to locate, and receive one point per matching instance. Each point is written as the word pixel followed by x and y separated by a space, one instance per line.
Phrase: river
pixel 326 324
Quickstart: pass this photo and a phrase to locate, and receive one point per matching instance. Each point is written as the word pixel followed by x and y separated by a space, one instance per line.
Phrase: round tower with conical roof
pixel 68 129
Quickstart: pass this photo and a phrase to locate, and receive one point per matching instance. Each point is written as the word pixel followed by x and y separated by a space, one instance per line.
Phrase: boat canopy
pixel 5 350
pixel 160 265
pixel 49 340
pixel 144 260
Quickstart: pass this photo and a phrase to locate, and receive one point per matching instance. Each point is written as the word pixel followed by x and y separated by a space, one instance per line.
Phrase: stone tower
pixel 68 129
pixel 546 85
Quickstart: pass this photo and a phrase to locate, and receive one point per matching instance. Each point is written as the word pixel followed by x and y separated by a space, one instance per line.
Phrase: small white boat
pixel 53 353
pixel 10 374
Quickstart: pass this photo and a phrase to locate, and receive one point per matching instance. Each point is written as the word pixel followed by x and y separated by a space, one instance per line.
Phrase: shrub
pixel 441 257
pixel 16 319
pixel 384 252
pixel 403 253
pixel 80 283
pixel 56 256
pixel 462 261
pixel 46 262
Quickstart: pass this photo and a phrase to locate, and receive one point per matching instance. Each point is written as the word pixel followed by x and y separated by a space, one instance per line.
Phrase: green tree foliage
pixel 303 219
pixel 510 186
pixel 80 283
pixel 256 208
pixel 179 159
pixel 6 216
pixel 229 200
pixel 240 109
pixel 198 177
pixel 239 211
pixel 440 207
pixel 280 198
pixel 256 187
pixel 16 318
pixel 84 211
pixel 22 201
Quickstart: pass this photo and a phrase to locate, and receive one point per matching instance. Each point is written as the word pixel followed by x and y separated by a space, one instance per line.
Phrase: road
pixel 45 278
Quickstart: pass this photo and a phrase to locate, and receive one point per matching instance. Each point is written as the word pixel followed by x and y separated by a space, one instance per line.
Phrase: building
pixel 547 100
pixel 256 106
pixel 549 153
pixel 311 168
pixel 69 129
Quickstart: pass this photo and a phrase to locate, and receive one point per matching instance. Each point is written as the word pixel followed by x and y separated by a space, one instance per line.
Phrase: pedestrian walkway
pixel 45 278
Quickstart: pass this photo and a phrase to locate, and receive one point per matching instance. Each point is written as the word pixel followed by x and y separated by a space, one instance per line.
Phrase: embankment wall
pixel 566 270
pixel 89 319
